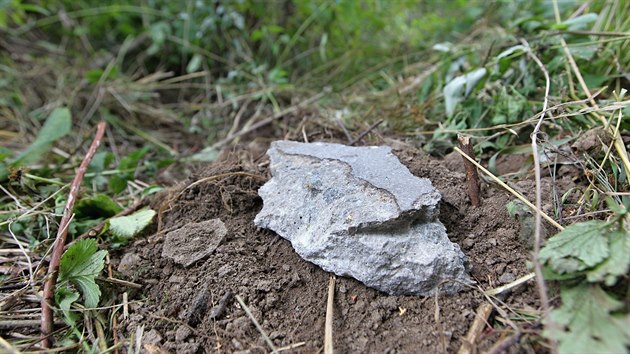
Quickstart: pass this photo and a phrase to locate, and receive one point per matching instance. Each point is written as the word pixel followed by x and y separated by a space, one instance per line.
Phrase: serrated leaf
pixel 64 298
pixel 617 264
pixel 126 227
pixel 80 265
pixel 97 206
pixel 458 88
pixel 587 324
pixel 57 125
pixel 578 247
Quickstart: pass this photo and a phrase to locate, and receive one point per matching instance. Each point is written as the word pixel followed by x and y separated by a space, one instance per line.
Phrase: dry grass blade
pixel 255 322
pixel 328 332
pixel 540 281
pixel 481 319
pixel 510 189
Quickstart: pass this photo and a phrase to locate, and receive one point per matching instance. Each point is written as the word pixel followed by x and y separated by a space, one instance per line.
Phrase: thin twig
pixel 258 326
pixel 328 332
pixel 517 282
pixel 366 132
pixel 540 281
pixel 60 240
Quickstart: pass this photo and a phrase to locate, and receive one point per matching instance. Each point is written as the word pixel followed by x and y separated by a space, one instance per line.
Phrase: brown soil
pixel 193 309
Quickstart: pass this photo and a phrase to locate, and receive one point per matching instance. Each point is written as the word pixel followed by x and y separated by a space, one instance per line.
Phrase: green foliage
pixel 57 126
pixel 124 228
pixel 127 168
pixel 589 323
pixel 97 206
pixel 80 265
pixel 585 257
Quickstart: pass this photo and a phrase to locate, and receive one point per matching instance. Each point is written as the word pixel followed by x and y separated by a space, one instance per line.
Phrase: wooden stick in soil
pixel 258 326
pixel 60 240
pixel 475 330
pixel 328 332
pixel 472 178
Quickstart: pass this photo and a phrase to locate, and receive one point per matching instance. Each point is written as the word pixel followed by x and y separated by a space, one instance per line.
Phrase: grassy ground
pixel 176 84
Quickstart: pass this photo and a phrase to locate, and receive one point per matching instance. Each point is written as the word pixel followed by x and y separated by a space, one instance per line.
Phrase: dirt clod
pixel 288 295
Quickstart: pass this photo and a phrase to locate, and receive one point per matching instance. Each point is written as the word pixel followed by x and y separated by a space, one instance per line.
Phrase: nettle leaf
pixel 123 228
pixel 587 322
pixel 80 265
pixel 617 264
pixel 578 247
pixel 57 125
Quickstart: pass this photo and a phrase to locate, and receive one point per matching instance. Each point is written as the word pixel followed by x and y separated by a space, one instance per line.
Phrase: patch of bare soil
pixel 193 309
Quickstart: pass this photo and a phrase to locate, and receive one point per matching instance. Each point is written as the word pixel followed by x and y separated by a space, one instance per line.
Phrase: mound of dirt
pixel 193 309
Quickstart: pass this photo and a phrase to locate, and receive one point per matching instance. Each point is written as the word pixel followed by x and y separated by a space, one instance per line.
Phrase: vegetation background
pixel 177 81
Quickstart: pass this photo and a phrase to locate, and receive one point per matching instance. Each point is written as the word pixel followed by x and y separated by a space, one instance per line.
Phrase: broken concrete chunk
pixel 358 212
pixel 193 242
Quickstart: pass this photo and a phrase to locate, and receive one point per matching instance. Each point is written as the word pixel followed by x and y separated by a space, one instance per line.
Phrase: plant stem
pixel 60 240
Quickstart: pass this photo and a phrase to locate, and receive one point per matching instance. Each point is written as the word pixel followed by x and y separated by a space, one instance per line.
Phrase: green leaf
pixel 194 64
pixel 617 264
pixel 460 87
pixel 97 206
pixel 80 265
pixel 587 324
pixel 64 296
pixel 123 228
pixel 578 247
pixel 57 126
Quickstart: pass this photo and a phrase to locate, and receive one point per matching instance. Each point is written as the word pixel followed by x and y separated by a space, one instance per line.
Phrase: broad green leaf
pixel 80 265
pixel 208 154
pixel 97 206
pixel 587 324
pixel 458 88
pixel 578 247
pixel 57 126
pixel 617 264
pixel 577 23
pixel 124 228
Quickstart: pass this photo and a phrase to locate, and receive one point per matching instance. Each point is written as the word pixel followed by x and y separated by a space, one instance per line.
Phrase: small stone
pixel 193 242
pixel 152 337
pixel 182 333
pixel 129 264
pixel 506 277
pixel 359 212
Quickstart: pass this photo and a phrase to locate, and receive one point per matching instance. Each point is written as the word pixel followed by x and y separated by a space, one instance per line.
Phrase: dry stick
pixel 540 281
pixel 258 326
pixel 328 332
pixel 268 120
pixel 481 319
pixel 472 177
pixel 366 132
pixel 60 240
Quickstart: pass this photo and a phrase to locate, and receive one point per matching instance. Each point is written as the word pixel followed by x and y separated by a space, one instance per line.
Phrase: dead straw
pixel 328 331
pixel 255 322
pixel 540 281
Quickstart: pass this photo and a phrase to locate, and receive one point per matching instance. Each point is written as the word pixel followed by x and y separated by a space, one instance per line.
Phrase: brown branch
pixel 472 178
pixel 60 240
